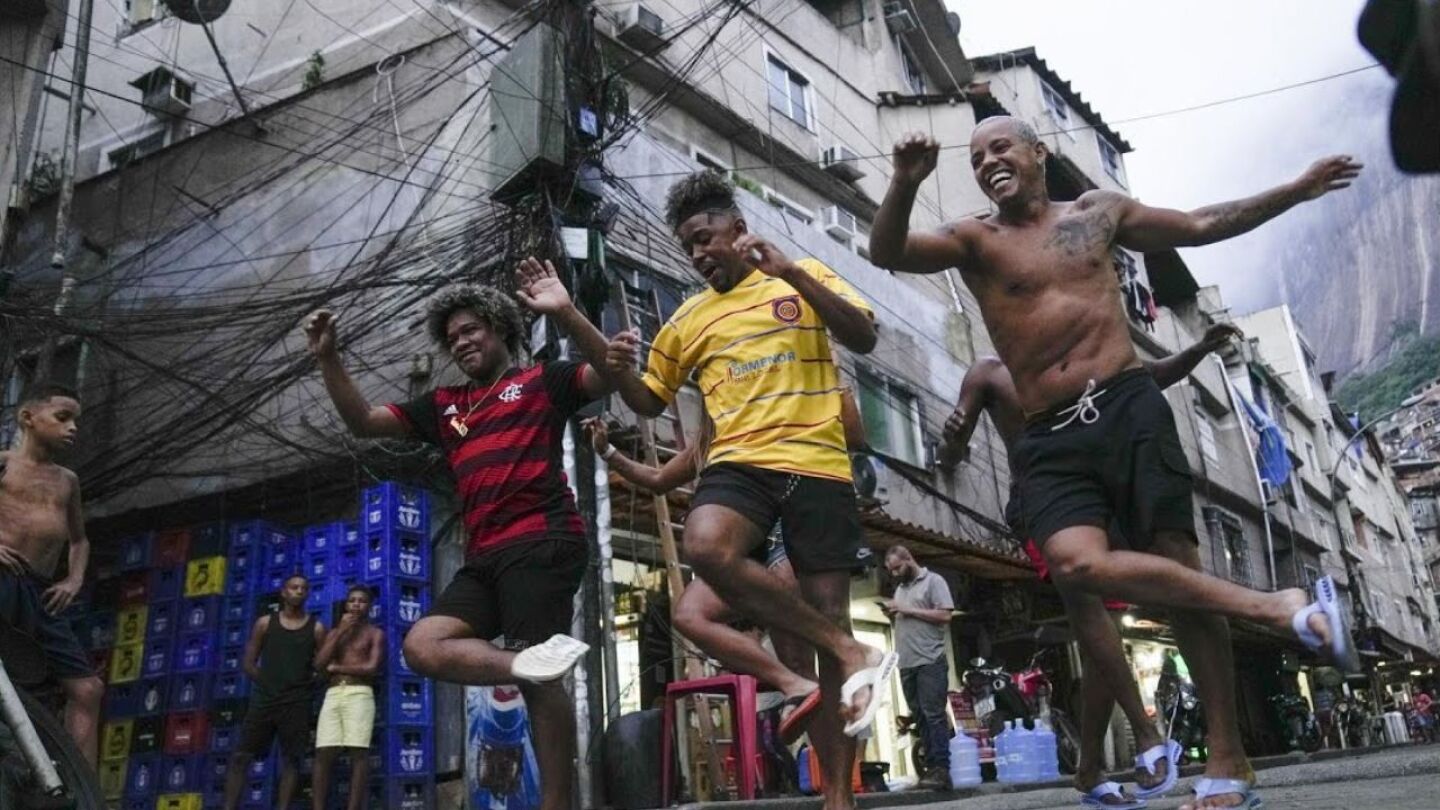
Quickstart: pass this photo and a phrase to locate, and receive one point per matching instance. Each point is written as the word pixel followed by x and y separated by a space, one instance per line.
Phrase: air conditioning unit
pixel 871 477
pixel 642 29
pixel 164 93
pixel 1269 493
pixel 899 19
pixel 838 222
pixel 842 162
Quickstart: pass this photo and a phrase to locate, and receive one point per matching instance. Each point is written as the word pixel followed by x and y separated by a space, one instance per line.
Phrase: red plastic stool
pixel 746 749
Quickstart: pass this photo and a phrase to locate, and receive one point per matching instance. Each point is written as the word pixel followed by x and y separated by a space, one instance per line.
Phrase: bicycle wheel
pixel 18 790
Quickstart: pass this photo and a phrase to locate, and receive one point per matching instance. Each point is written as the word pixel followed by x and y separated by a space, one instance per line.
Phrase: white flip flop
pixel 874 677
pixel 1342 647
pixel 548 661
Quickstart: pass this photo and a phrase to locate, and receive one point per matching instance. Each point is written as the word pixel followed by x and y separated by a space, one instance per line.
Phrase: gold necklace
pixel 459 423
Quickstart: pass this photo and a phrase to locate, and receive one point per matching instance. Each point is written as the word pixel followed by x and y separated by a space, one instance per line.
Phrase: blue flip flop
pixel 1170 752
pixel 1097 794
pixel 1341 650
pixel 1206 787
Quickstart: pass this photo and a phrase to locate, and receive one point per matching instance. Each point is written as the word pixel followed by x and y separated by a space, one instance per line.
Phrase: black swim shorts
pixel 1112 460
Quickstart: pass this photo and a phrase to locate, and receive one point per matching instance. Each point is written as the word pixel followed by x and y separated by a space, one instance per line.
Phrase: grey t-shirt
pixel 917 641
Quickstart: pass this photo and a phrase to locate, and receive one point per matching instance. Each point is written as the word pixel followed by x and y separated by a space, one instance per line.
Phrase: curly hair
pixel 706 190
pixel 489 305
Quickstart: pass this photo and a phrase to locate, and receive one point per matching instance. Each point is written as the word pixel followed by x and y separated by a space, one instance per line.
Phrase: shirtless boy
pixel 1100 441
pixel 349 658
pixel 41 521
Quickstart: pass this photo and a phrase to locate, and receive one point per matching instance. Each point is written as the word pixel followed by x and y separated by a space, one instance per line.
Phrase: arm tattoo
pixel 1225 220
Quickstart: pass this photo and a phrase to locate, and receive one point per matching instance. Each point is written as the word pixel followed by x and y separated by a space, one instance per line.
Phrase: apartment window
pixel 789 92
pixel 1110 156
pixel 914 77
pixel 1310 455
pixel 1206 430
pixel 789 207
pixel 1226 532
pixel 1058 109
pixel 1125 266
pixel 891 413
pixel 1312 575
pixel 861 242
pixel 140 13
pixel 709 161
pixel 132 152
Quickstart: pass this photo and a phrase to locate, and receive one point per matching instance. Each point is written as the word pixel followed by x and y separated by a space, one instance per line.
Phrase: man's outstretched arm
pixel 1170 370
pixel 363 419
pixel 892 245
pixel 1141 227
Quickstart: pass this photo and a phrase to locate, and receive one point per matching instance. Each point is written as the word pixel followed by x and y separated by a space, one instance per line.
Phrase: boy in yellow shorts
pixel 350 657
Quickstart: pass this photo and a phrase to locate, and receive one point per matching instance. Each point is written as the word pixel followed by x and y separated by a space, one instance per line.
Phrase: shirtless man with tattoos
pixel 1099 441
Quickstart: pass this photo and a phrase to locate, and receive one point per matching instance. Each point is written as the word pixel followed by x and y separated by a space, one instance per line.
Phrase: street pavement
pixel 1401 778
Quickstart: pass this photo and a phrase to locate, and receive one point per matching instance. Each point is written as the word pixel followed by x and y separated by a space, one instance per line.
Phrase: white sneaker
pixel 548 661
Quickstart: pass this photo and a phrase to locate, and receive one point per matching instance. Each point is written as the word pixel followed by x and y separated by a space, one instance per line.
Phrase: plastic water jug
pixel 964 761
pixel 1022 754
pixel 1005 755
pixel 1047 753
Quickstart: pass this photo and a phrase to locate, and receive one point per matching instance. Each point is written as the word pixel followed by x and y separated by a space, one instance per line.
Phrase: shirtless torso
pixel 358 646
pixel 39 504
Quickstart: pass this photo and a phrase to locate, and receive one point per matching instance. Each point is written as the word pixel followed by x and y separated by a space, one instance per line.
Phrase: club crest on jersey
pixel 787 309
pixel 511 393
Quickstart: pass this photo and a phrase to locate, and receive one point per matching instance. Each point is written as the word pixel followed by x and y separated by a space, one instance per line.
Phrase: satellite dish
pixel 198 12
pixel 952 21
pixel 865 469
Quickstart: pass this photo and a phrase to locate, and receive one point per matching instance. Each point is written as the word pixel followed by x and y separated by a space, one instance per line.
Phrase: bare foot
pixel 1143 778
pixel 1220 770
pixel 1293 600
pixel 793 699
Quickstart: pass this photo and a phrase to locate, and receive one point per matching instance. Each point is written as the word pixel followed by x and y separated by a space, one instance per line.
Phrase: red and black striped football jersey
pixel 507 457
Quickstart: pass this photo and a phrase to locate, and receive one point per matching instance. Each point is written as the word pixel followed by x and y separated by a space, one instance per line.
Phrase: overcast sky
pixel 1131 58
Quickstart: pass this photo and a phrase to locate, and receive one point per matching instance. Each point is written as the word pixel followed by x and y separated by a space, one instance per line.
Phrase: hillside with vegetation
pixel 1416 361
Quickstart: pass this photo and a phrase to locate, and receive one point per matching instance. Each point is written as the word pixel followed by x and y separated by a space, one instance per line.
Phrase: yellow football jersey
pixel 762 359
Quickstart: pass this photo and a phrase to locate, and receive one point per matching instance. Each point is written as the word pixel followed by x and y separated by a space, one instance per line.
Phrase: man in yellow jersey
pixel 757 342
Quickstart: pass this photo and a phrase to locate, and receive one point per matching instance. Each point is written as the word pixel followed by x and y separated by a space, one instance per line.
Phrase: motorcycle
pixel 994 695
pixel 1179 705
pixel 40 766
pixel 1350 724
pixel 999 698
pixel 1297 722
pixel 907 726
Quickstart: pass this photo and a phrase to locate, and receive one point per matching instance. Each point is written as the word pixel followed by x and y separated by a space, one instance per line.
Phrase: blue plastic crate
pixel 153 697
pixel 242 563
pixel 350 534
pixel 240 584
pixel 181 774
pixel 196 652
pixel 147 735
pixel 317 565
pixel 237 610
pixel 159 657
pixel 323 595
pixel 97 629
pixel 162 619
pixel 231 685
pixel 389 505
pixel 209 540
pixel 234 634
pixel 409 750
pixel 142 776
pixel 399 602
pixel 258 794
pixel 146 803
pixel 191 691
pixel 396 554
pixel 395 663
pixel 224 740
pixel 201 614
pixel 255 533
pixel 349 561
pixel 324 538
pixel 409 701
pixel 280 556
pixel 213 769
pixel 135 551
pixel 271 581
pixel 409 793
pixel 166 584
pixel 264 767
pixel 232 659
pixel 122 700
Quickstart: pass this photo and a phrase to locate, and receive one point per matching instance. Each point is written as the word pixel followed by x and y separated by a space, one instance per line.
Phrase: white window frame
pixel 1056 107
pixel 861 243
pixel 910 68
pixel 142 13
pixel 890 391
pixel 1116 170
pixel 1205 428
pixel 807 90
pixel 148 139
pixel 790 208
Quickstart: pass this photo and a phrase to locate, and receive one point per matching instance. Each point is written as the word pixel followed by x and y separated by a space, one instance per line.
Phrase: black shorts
pixel 524 592
pixel 22 606
pixel 819 521
pixel 291 722
pixel 1124 472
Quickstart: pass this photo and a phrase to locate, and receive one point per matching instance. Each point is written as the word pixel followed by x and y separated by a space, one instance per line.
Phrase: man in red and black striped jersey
pixel 502 433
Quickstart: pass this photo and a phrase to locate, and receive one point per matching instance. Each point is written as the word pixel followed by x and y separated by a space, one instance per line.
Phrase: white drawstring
pixel 1084 408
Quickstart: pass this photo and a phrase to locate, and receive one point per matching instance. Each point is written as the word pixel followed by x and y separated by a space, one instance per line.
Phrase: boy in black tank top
pixel 280 659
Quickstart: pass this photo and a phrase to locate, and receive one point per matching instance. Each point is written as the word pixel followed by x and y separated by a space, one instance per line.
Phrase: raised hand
pixel 539 288
pixel 1327 175
pixel 320 332
pixel 915 157
pixel 763 254
pixel 1219 336
pixel 622 354
pixel 599 433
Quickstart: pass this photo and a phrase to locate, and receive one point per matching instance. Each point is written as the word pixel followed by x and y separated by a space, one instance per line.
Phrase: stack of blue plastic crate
pixel 389 552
